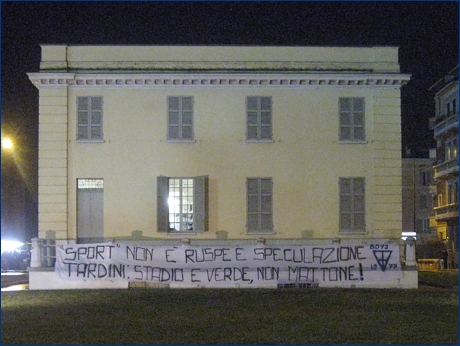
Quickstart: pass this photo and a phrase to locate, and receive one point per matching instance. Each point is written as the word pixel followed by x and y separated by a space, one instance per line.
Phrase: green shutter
pixel 162 204
pixel 200 204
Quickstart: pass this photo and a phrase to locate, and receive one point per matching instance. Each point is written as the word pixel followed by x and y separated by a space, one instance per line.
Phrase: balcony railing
pixel 446 167
pixel 446 212
pixel 445 125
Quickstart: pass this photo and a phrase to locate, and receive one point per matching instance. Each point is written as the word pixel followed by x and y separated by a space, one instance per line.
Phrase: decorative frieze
pixel 212 80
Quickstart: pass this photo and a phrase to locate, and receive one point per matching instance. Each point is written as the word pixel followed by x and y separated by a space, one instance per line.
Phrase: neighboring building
pixel 445 126
pixel 159 145
pixel 418 197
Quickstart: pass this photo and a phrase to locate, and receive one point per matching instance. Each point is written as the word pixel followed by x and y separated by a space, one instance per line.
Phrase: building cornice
pixel 150 80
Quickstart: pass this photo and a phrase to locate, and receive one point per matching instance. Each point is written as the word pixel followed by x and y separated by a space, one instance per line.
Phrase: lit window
pixel 182 204
pixel 452 192
pixel 90 183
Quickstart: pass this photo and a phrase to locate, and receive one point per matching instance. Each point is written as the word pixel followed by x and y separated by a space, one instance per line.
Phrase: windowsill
pixel 353 142
pixel 260 141
pixel 352 233
pixel 180 141
pixel 90 141
pixel 180 234
pixel 261 233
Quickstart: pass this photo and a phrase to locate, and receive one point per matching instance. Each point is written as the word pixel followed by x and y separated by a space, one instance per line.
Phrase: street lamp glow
pixel 10 245
pixel 7 143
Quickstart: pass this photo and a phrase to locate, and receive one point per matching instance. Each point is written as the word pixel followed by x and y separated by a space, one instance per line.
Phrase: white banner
pixel 229 265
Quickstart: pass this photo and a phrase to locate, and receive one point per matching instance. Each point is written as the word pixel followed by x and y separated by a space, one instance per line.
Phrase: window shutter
pixel 258 118
pixel 345 119
pixel 173 117
pixel 187 117
pixel 200 204
pixel 82 117
pixel 352 208
pixel 358 118
pixel 89 117
pixel 259 204
pixel 162 204
pixel 180 117
pixel 96 117
pixel 351 119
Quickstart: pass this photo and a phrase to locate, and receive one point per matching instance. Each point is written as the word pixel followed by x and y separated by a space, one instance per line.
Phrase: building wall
pixel 445 126
pixel 305 158
pixel 418 197
pixel 52 168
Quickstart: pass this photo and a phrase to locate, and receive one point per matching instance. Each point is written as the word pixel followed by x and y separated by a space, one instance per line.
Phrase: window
pixel 259 205
pixel 351 119
pixel 89 116
pixel 352 205
pixel 180 118
pixel 439 201
pixel 450 105
pixel 422 226
pixel 258 118
pixel 452 192
pixel 423 202
pixel 425 178
pixel 451 148
pixel 182 204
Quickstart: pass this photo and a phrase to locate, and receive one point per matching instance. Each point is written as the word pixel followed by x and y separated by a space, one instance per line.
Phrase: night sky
pixel 426 32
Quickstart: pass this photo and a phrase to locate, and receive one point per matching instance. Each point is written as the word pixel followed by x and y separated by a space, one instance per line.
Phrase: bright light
pixel 7 143
pixel 10 245
pixel 406 234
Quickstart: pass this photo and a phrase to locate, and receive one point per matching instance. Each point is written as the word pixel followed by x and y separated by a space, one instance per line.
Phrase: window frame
pixel 261 197
pixel 452 192
pixel 259 125
pixel 451 149
pixel 180 118
pixel 200 206
pixel 90 137
pixel 353 113
pixel 353 211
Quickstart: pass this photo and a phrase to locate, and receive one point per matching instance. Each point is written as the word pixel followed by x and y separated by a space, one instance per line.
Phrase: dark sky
pixel 426 32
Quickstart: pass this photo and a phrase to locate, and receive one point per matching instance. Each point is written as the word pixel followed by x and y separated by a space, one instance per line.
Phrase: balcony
pixel 445 125
pixel 446 212
pixel 446 168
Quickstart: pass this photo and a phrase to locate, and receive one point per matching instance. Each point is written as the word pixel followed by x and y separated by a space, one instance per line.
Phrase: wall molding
pixel 151 80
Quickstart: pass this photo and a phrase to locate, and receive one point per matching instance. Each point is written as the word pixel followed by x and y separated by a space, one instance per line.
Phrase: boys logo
pixel 382 257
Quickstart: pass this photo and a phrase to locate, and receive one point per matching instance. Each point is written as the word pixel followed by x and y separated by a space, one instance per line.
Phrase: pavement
pixel 11 278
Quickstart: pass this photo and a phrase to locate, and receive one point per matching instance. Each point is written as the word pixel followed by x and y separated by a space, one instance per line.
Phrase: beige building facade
pixel 219 145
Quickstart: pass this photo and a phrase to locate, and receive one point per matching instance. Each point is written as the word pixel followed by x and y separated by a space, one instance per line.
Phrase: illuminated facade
pixel 445 127
pixel 219 144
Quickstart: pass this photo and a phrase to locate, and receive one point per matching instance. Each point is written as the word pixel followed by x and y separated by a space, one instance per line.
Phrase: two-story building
pixel 445 127
pixel 220 145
